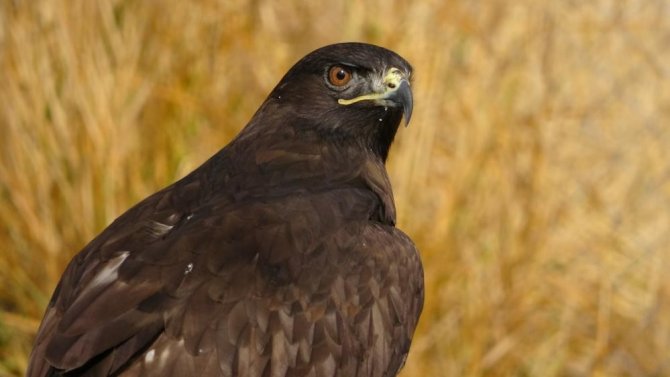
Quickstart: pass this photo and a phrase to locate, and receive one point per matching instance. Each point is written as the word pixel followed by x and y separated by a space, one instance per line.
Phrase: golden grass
pixel 535 176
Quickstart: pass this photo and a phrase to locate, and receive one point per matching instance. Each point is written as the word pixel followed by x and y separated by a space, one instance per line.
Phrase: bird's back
pixel 235 281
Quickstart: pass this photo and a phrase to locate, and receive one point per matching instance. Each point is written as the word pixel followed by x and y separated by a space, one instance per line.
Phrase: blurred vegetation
pixel 535 176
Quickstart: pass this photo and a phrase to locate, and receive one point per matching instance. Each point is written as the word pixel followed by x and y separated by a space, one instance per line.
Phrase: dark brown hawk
pixel 279 256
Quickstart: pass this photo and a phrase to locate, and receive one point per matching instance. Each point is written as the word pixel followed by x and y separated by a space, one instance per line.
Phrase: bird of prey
pixel 277 257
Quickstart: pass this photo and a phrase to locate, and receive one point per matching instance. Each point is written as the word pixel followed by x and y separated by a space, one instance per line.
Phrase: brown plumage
pixel 277 257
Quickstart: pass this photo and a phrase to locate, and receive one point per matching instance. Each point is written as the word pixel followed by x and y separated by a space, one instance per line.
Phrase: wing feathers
pixel 342 303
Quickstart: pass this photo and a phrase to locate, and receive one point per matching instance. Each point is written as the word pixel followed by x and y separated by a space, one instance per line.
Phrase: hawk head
pixel 346 91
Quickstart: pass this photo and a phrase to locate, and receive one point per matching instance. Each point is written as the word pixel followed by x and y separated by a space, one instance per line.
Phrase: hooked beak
pixel 395 92
pixel 403 97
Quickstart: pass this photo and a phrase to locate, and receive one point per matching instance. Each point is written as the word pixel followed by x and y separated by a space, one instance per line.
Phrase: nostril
pixel 391 85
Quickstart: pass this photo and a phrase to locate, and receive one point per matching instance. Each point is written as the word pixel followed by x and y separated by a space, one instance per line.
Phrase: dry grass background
pixel 535 176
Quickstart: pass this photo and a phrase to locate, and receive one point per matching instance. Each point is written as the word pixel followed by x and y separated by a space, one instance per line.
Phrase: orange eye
pixel 339 76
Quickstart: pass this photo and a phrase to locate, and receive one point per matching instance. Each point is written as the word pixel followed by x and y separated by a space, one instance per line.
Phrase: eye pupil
pixel 341 75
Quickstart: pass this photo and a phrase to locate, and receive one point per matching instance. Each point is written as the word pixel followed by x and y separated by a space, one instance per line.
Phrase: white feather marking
pixel 110 272
pixel 159 229
pixel 150 356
